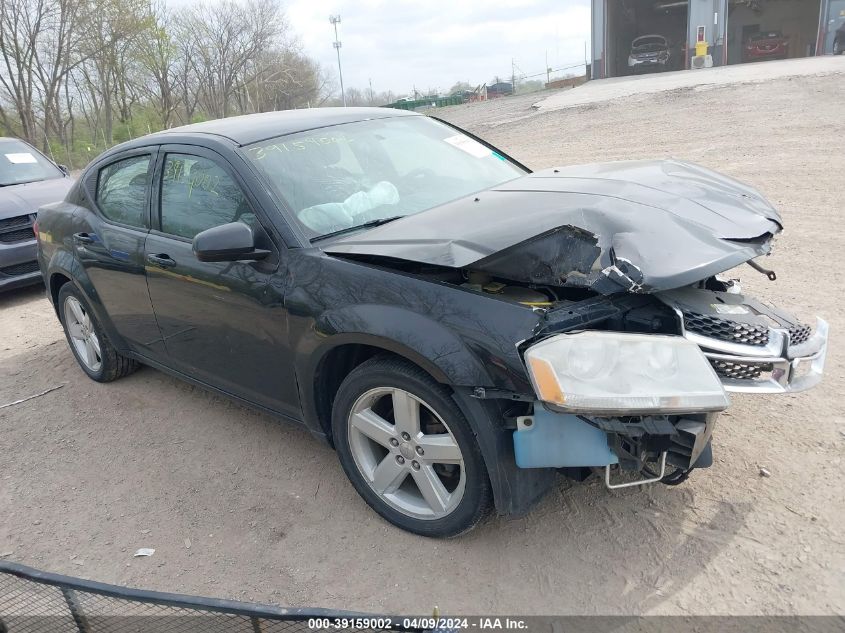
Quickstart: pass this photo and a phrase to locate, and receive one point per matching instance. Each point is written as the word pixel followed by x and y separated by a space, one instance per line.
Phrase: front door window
pixel 197 194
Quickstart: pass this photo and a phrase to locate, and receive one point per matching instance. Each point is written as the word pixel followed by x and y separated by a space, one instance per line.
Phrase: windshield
pixel 766 36
pixel 20 163
pixel 649 43
pixel 338 178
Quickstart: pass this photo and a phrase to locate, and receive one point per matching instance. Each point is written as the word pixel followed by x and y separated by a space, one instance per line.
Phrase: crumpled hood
pixel 25 198
pixel 635 226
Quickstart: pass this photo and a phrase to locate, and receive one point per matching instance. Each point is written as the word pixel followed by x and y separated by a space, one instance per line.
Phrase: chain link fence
pixel 33 601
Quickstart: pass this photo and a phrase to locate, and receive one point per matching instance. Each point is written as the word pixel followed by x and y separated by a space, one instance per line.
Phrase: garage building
pixel 731 31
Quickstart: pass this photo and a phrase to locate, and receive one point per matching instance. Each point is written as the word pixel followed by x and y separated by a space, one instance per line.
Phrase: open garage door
pixel 628 20
pixel 760 30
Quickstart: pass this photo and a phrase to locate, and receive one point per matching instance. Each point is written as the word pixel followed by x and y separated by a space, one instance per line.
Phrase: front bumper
pixel 760 55
pixel 777 367
pixel 647 62
pixel 18 264
pixel 547 439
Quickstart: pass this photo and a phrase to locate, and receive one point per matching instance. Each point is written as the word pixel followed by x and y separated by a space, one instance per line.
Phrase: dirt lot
pixel 238 505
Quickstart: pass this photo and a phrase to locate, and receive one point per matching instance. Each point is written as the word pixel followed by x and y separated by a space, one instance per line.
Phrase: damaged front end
pixel 666 404
pixel 634 401
pixel 754 348
pixel 660 447
pixel 638 341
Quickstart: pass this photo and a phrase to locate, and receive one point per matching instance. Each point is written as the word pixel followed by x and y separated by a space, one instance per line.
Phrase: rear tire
pixel 408 449
pixel 838 47
pixel 95 354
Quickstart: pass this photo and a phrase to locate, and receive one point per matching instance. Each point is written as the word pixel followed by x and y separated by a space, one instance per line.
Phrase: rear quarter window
pixel 122 190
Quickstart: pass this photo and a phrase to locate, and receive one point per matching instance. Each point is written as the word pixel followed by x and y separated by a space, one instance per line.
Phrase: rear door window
pixel 198 194
pixel 122 190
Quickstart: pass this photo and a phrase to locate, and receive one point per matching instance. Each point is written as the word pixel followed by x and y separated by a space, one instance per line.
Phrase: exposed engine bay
pixel 748 343
pixel 751 347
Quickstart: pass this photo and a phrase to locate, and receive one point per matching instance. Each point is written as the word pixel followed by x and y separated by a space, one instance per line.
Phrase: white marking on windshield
pixel 20 158
pixel 470 146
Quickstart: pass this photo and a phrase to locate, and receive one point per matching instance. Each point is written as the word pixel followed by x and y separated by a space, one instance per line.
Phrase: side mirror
pixel 231 242
pixel 64 169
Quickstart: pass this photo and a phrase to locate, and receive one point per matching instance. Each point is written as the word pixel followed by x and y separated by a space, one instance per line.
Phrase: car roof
pixel 251 128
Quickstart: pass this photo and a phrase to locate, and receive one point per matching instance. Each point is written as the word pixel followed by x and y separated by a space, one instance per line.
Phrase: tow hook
pixel 772 276
pixel 639 482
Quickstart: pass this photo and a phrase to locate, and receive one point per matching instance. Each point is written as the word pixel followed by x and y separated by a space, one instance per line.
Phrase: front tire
pixel 87 340
pixel 408 449
pixel 838 47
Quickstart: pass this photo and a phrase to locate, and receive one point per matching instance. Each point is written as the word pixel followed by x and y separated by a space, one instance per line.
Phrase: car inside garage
pixel 760 30
pixel 731 32
pixel 631 19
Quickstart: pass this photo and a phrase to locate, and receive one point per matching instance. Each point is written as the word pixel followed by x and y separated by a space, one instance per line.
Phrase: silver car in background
pixel 28 179
pixel 650 53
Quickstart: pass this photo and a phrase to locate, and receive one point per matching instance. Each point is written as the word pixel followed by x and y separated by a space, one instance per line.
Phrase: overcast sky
pixel 400 44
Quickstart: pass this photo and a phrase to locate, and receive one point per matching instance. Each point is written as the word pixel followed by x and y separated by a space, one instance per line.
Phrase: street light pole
pixel 335 20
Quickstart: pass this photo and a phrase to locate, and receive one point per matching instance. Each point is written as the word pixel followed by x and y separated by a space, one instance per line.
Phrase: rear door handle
pixel 161 260
pixel 84 238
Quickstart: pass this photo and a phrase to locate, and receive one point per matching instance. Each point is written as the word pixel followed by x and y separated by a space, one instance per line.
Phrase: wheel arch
pixel 55 281
pixel 62 269
pixel 515 490
pixel 341 339
pixel 338 361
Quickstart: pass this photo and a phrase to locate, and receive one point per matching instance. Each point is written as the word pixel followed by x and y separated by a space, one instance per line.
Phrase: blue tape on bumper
pixel 557 440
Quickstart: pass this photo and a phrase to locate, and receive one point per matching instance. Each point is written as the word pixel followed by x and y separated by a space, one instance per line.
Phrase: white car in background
pixel 650 53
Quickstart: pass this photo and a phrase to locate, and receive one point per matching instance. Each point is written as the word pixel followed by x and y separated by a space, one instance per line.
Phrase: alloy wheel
pixel 82 335
pixel 406 453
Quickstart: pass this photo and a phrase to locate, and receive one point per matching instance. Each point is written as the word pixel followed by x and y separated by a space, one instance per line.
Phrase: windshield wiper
pixel 350 229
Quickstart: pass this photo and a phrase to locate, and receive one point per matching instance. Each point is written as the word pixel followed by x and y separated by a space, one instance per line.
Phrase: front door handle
pixel 161 260
pixel 84 238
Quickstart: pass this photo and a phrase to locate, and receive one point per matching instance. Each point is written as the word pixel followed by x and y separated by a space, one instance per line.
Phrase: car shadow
pixel 645 545
pixel 20 296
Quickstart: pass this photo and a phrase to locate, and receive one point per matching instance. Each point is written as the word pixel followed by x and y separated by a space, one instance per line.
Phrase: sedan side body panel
pixel 333 302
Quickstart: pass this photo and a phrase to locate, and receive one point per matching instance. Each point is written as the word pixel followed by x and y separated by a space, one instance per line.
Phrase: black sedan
pixel 458 328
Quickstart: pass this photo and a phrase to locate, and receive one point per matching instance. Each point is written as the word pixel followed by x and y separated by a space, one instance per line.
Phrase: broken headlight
pixel 615 373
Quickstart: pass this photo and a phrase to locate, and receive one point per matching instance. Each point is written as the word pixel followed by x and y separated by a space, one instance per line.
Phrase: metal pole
pixel 335 20
pixel 548 69
pixel 513 76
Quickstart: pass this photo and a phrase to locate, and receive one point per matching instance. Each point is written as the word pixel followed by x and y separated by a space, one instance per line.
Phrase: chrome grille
pixel 740 371
pixel 799 333
pixel 726 329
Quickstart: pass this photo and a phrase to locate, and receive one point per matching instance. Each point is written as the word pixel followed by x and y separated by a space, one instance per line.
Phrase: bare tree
pixel 22 24
pixel 115 31
pixel 280 79
pixel 226 38
pixel 159 58
pixel 71 70
pixel 59 50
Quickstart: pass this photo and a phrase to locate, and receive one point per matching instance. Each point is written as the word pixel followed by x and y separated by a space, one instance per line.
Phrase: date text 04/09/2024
pixel 419 623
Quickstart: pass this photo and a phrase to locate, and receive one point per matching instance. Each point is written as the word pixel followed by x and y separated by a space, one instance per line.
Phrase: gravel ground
pixel 238 505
